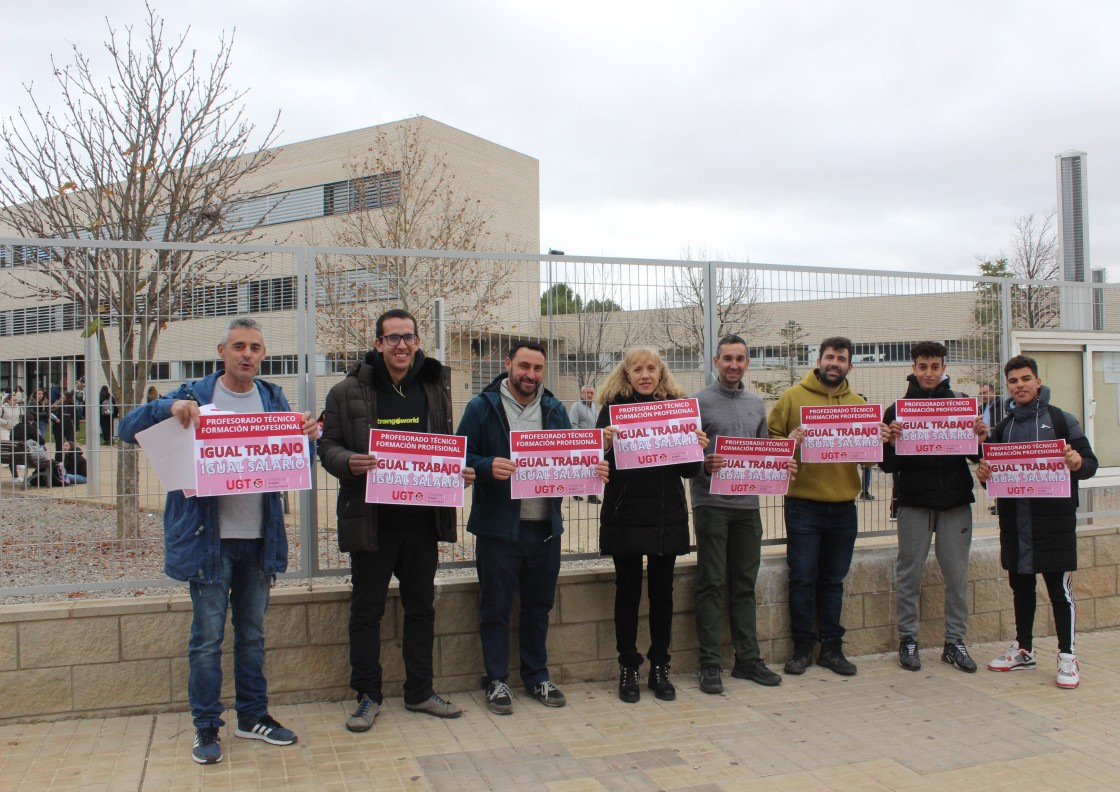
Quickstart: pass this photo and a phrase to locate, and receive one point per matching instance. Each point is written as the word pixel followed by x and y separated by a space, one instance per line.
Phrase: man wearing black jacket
pixel 397 388
pixel 1039 535
pixel 934 496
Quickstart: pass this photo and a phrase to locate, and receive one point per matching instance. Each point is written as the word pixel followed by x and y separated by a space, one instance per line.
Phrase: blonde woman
pixel 644 513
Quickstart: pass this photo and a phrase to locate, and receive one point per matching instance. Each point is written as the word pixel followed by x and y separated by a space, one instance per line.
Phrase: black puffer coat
pixel 1040 534
pixel 351 410
pixel 644 509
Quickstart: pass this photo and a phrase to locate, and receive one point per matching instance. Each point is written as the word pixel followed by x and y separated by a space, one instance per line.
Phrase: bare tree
pixel 402 194
pixel 157 149
pixel 1034 257
pixel 739 304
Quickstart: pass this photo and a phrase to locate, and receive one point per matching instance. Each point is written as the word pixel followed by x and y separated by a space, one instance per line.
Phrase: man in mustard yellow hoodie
pixel 820 514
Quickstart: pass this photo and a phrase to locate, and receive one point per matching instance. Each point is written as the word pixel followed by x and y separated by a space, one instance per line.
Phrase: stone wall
pixel 97 658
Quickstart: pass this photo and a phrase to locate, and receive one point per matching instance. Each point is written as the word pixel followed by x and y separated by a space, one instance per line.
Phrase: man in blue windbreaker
pixel 229 549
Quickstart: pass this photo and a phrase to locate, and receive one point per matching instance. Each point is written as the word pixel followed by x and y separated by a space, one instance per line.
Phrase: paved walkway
pixel 885 729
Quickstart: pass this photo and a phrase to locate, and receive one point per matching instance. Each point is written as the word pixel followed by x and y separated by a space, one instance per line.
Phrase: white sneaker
pixel 1014 659
pixel 1069 675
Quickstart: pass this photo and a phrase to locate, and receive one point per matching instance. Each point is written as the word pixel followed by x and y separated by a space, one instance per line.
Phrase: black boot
pixel 629 689
pixel 802 659
pixel 659 683
pixel 832 658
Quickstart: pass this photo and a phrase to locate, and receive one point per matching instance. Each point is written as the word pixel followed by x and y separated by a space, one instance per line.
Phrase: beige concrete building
pixel 358 188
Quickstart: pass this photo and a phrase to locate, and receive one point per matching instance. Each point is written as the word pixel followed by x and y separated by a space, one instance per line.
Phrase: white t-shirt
pixel 240 516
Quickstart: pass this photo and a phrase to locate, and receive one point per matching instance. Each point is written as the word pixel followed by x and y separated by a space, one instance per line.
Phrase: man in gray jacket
pixel 728 527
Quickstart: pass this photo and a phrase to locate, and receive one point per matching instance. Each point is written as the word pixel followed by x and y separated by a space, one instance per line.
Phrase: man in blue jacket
pixel 228 548
pixel 517 544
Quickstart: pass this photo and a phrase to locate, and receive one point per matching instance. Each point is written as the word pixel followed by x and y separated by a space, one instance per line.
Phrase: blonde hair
pixel 618 387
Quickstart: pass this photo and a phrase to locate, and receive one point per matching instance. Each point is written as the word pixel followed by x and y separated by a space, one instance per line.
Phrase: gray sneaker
pixel 436 705
pixel 362 719
pixel 908 656
pixel 956 654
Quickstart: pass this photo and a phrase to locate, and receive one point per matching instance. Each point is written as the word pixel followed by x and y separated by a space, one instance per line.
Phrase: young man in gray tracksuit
pixel 934 497
pixel 728 528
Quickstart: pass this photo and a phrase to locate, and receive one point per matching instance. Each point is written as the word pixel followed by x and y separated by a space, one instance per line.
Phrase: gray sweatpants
pixel 916 527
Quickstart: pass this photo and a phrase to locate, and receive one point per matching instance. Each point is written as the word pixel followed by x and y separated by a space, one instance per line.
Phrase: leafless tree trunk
pixel 158 149
pixel 739 304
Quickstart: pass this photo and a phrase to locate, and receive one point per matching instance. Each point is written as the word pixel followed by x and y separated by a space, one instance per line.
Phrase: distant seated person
pixel 72 462
pixel 35 459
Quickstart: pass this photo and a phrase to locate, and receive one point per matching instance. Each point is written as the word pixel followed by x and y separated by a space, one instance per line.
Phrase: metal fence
pixel 129 316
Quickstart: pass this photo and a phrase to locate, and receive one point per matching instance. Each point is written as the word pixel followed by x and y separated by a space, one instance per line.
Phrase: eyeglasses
pixel 395 338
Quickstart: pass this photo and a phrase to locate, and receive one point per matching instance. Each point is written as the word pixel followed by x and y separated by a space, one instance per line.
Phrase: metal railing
pixel 161 309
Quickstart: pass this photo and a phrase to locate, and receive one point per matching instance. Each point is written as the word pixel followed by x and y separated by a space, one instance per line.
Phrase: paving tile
pixel 884 729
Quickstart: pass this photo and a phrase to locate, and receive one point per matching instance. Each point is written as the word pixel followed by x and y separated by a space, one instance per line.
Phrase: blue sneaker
pixel 207 746
pixel 265 728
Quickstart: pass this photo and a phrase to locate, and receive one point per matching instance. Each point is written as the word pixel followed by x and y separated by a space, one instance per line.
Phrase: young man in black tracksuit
pixel 1039 535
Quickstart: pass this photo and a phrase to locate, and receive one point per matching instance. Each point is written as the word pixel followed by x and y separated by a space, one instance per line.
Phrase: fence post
pixel 1005 325
pixel 711 326
pixel 93 383
pixel 307 357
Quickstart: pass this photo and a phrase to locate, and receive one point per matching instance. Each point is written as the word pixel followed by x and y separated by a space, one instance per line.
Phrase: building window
pixel 197 369
pixel 273 294
pixel 159 371
pixel 683 359
pixel 341 363
pixel 280 366
pixel 865 353
pixel 220 299
pixel 366 192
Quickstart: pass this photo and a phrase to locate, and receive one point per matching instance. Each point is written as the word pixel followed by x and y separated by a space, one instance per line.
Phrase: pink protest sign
pixel 841 433
pixel 936 426
pixel 754 466
pixel 656 433
pixel 1028 470
pixel 238 453
pixel 416 469
pixel 555 463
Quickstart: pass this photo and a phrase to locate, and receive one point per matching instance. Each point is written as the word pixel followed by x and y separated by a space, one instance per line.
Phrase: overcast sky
pixel 884 135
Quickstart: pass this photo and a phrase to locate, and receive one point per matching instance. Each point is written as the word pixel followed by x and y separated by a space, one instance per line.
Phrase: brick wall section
pixel 108 657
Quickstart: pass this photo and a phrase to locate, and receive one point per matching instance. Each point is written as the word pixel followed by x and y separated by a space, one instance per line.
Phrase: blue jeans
pixel 820 538
pixel 245 588
pixel 529 564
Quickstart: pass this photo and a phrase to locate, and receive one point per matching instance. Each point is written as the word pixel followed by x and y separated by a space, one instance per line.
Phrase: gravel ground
pixel 57 541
